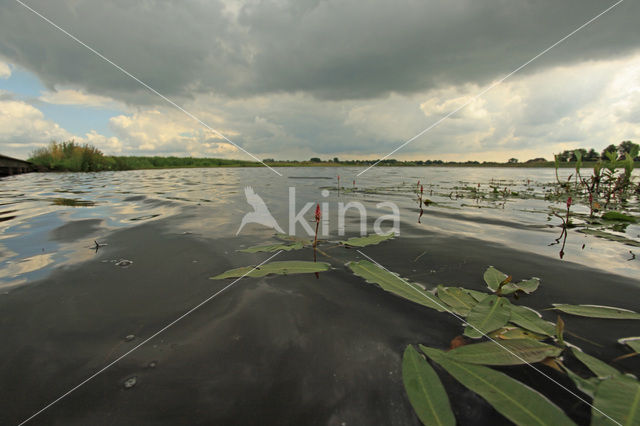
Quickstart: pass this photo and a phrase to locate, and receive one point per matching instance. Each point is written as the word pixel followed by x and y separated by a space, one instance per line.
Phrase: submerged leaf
pixel 489 315
pixel 494 278
pixel 617 399
pixel 374 274
pixel 514 400
pixel 531 320
pixel 273 247
pixel 601 369
pixel 611 237
pixel 632 342
pixel 596 311
pixel 425 391
pixel 457 299
pixel 283 268
pixel 512 332
pixel 509 352
pixel 369 240
pixel 586 386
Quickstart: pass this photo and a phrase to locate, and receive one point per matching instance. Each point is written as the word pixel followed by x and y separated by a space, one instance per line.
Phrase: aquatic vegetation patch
pixel 369 240
pixel 285 267
pixel 72 202
pixel 597 311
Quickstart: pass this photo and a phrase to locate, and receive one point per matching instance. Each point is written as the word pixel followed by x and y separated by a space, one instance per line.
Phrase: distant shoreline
pixel 240 164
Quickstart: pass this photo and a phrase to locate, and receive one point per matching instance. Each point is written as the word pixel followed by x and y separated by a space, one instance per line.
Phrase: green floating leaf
pixel 596 311
pixel 632 342
pixel 489 315
pixel 425 391
pixel 457 299
pixel 282 268
pixel 611 237
pixel 617 401
pixel 369 240
pixel 601 369
pixel 619 217
pixel 293 238
pixel 509 352
pixel 374 274
pixel 531 320
pixel 494 278
pixel 273 247
pixel 526 286
pixel 514 400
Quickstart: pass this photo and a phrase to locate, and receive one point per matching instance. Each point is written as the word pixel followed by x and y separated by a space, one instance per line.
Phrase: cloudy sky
pixel 292 79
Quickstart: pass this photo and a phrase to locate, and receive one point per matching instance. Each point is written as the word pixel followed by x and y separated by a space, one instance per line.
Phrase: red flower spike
pixel 318 212
pixel 569 202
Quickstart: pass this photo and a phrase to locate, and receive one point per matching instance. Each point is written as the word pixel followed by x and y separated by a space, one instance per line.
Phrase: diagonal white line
pixel 493 340
pixel 492 86
pixel 103 369
pixel 190 115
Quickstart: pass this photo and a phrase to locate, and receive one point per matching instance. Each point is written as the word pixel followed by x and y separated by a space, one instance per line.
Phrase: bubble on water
pixel 325 193
pixel 130 382
pixel 124 263
pixel 129 338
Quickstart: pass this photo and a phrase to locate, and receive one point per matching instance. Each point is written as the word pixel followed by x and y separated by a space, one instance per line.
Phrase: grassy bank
pixel 74 157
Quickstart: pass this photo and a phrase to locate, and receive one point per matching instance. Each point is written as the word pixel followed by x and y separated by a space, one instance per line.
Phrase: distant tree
pixel 537 160
pixel 573 154
pixel 592 155
pixel 336 160
pixel 610 148
pixel 315 160
pixel 513 160
pixel 628 147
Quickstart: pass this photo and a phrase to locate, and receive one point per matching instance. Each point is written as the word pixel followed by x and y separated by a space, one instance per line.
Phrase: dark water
pixel 278 350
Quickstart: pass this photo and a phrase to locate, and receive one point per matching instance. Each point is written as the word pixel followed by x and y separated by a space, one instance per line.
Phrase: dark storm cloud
pixel 333 50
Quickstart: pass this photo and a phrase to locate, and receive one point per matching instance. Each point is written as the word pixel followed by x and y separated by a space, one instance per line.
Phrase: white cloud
pixel 5 70
pixel 24 128
pixel 168 132
pixel 77 97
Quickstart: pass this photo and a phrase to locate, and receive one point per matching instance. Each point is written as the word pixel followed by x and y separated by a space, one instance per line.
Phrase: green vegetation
pixel 73 157
pixel 497 333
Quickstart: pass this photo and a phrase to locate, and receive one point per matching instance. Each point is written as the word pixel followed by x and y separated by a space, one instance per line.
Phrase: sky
pixel 294 79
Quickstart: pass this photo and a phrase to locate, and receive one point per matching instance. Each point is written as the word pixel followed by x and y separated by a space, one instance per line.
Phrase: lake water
pixel 50 220
pixel 292 349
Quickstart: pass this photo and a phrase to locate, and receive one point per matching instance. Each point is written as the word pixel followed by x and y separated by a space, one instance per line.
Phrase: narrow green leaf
pixel 294 239
pixel 374 274
pixel 487 316
pixel 425 391
pixel 531 320
pixel 282 268
pixel 494 278
pixel 619 399
pixel 596 311
pixel 369 240
pixel 273 247
pixel 457 299
pixel 601 369
pixel 514 400
pixel 508 352
pixel 632 342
